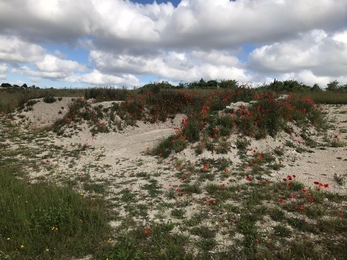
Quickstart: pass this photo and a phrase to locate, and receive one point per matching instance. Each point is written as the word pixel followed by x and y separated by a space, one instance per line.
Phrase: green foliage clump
pixel 43 221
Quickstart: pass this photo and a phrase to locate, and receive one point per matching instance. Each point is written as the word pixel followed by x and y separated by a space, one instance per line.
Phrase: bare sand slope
pixel 125 151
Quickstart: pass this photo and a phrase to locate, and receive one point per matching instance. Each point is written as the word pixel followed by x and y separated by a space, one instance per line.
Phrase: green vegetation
pixel 43 221
pixel 223 207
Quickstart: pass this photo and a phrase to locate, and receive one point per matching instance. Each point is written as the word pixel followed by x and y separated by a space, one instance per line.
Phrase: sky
pixel 124 43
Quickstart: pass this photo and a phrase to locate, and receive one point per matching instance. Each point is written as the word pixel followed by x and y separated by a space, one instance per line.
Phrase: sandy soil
pixel 125 152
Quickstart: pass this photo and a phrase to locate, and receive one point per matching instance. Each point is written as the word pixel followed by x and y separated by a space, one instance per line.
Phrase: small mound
pixel 41 113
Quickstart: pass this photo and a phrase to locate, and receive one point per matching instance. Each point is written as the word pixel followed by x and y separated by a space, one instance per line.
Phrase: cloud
pixel 59 21
pixel 14 50
pixel 207 24
pixel 200 23
pixel 52 63
pixel 218 57
pixel 38 62
pixel 197 39
pixel 316 51
pixel 95 77
pixel 3 70
pixel 37 75
pixel 179 66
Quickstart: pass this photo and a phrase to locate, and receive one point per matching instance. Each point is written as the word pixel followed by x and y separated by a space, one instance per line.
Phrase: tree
pixel 6 85
pixel 333 85
pixel 202 83
pixel 276 85
pixel 212 84
pixel 182 85
pixel 228 84
pixel 316 88
pixel 157 86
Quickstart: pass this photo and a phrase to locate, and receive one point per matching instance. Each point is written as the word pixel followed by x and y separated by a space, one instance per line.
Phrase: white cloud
pixel 38 63
pixel 27 71
pixel 198 39
pixel 341 37
pixel 217 58
pixel 121 20
pixel 223 23
pixel 173 65
pixel 305 76
pixel 95 77
pixel 199 23
pixel 3 70
pixel 54 20
pixel 322 54
pixel 13 49
pixel 52 63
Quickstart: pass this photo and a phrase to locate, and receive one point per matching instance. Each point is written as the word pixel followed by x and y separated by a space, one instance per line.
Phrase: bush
pixel 49 99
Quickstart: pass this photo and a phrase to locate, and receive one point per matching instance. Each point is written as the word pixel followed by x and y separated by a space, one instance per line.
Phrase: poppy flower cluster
pixel 248 178
pixel 208 202
pixel 325 185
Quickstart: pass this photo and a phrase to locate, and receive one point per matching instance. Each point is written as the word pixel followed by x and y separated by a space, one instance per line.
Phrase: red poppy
pixel 294 176
pixel 281 200
pixel 207 202
pixel 147 231
pixel 302 207
pixel 304 191
pixel 284 179
pixel 341 214
pixel 223 185
pixel 326 185
pixel 316 182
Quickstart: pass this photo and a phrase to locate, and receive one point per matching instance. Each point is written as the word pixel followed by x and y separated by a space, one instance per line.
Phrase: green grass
pixel 43 221
pixel 329 97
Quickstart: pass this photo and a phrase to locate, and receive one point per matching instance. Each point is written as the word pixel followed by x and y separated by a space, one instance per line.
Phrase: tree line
pixel 276 85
